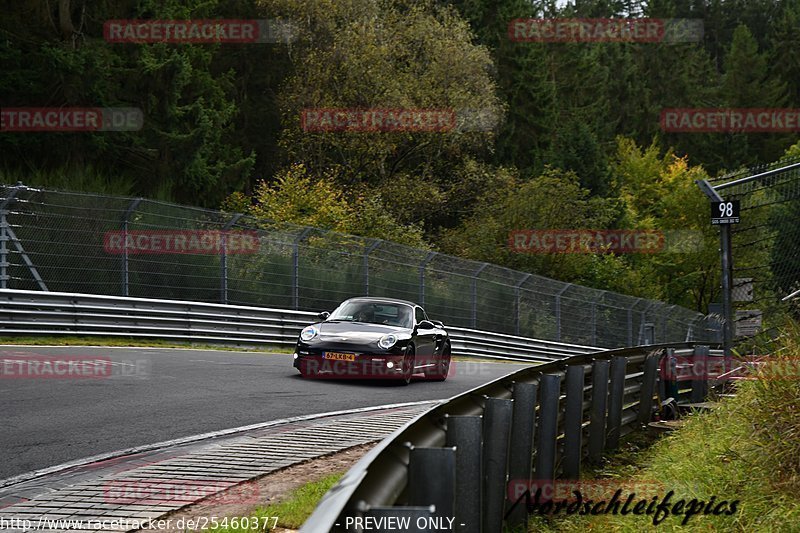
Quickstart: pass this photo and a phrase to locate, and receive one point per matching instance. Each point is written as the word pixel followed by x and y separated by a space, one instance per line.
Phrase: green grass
pixel 291 512
pixel 134 342
pixel 748 450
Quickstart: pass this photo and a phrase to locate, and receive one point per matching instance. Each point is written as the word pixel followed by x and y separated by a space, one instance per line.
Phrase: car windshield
pixel 375 313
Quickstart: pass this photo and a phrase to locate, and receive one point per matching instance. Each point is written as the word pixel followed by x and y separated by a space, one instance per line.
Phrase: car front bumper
pixel 365 366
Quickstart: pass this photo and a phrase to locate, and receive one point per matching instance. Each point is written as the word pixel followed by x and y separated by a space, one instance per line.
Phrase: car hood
pixel 355 331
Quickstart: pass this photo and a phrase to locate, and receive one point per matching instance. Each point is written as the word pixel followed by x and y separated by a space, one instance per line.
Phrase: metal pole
pixel 125 273
pixel 517 305
pixel 558 310
pixel 223 281
pixel 422 266
pixel 475 294
pixel 727 282
pixel 432 479
pixel 726 257
pixel 368 251
pixel 4 264
pixel 296 268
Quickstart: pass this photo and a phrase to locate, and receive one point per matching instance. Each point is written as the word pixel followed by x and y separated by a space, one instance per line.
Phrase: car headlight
pixel 387 341
pixel 308 333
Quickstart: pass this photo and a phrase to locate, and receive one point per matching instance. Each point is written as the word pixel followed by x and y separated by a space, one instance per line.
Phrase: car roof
pixel 379 299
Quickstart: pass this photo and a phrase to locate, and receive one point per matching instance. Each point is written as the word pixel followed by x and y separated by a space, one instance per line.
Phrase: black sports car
pixel 374 338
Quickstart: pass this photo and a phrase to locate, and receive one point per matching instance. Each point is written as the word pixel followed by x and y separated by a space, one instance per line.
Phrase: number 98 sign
pixel 725 212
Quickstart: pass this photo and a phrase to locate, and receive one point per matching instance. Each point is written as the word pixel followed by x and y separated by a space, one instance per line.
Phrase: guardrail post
pixel 432 479
pixel 520 459
pixel 573 422
pixel 615 401
pixel 597 424
pixel 548 431
pixel 496 437
pixel 648 387
pixel 466 434
pixel 700 362
pixel 671 375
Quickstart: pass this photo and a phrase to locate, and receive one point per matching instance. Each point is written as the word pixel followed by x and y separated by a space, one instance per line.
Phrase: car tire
pixel 409 359
pixel 442 368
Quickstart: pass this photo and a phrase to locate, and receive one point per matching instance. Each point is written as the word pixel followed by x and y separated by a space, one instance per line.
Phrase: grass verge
pixel 292 511
pixel 134 343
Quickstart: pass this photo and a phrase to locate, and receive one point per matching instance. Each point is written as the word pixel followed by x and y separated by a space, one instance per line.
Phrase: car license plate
pixel 337 356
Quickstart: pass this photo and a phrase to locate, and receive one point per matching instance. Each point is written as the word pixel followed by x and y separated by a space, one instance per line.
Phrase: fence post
pixel 573 422
pixel 466 434
pixel 496 433
pixel 517 303
pixel 422 267
pixel 630 325
pixel 296 267
pixel 125 219
pixel 558 310
pixel 223 264
pixel 597 424
pixel 475 294
pixel 4 236
pixel 368 251
pixel 615 401
pixel 648 387
pixel 548 431
pixel 520 458
pixel 432 479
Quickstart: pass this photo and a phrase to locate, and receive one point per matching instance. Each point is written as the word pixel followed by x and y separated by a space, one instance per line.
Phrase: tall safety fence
pixel 69 242
pixel 764 251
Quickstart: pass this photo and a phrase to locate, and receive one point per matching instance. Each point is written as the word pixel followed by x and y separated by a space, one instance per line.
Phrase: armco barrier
pixel 59 313
pixel 540 423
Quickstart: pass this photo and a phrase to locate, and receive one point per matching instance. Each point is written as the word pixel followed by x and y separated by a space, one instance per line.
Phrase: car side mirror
pixel 323 315
pixel 426 324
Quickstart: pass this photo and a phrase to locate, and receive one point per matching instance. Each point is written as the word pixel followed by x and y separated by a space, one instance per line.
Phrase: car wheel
pixel 442 368
pixel 408 365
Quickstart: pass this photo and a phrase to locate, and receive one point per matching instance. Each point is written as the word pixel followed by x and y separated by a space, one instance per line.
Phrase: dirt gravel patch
pixel 268 489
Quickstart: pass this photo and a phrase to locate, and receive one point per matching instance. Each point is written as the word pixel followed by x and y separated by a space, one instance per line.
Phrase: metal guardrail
pixel 538 423
pixel 60 313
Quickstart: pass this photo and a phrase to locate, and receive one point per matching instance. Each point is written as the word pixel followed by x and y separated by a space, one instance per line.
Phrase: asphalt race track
pixel 156 395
